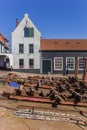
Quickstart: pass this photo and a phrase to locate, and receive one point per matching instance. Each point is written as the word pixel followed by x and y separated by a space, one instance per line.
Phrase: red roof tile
pixel 3 39
pixel 63 44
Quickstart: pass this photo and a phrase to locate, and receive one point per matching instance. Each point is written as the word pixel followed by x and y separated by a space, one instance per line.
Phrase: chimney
pixel 16 22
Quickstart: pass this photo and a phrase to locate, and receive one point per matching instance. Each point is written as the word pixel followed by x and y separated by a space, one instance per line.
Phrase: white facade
pixel 3 57
pixel 6 59
pixel 19 38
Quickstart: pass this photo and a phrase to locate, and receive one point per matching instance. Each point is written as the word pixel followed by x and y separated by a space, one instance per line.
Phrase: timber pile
pixel 53 90
pixel 41 115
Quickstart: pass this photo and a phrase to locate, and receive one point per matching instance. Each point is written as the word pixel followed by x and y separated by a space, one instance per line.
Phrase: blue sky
pixel 53 18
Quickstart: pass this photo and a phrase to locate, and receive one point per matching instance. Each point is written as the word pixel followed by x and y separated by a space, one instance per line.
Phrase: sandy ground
pixel 9 122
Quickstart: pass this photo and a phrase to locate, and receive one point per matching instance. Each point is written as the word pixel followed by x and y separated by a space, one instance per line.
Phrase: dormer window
pixel 77 42
pixel 28 32
pixel 67 42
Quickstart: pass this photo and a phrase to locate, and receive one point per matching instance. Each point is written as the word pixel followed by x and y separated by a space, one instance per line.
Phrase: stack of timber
pixel 53 90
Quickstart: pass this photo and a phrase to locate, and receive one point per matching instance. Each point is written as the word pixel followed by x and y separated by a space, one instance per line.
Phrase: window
pixel 28 32
pixel 81 63
pixel 21 63
pixel 31 48
pixel 2 49
pixel 77 42
pixel 21 48
pixel 70 63
pixel 67 43
pixel 31 63
pixel 58 63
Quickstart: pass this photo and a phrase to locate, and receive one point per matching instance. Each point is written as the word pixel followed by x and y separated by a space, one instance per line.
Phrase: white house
pixel 4 47
pixel 26 46
pixel 6 59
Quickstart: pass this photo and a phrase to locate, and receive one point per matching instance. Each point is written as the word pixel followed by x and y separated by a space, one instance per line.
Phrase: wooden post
pixel 76 67
pixel 85 70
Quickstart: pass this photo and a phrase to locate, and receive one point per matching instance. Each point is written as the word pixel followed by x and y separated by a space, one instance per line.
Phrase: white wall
pixel 0 48
pixel 18 37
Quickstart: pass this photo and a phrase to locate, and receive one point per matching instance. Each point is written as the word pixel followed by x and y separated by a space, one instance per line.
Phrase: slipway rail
pixel 45 100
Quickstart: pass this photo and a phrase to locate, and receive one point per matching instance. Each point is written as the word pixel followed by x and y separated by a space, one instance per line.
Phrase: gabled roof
pixel 25 22
pixel 63 44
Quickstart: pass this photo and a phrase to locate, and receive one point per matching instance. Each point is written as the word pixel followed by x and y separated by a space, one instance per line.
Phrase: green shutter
pixel 31 32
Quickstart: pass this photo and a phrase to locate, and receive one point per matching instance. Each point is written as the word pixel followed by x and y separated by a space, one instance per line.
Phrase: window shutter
pixel 31 32
pixel 26 32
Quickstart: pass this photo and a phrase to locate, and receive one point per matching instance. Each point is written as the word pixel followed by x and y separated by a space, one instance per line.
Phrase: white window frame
pixel 61 61
pixel 31 66
pixel 21 50
pixel 31 52
pixel 21 66
pixel 73 64
pixel 78 63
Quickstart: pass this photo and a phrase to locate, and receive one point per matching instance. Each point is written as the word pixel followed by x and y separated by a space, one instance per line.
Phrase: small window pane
pixel 31 48
pixel 28 32
pixel 31 63
pixel 31 32
pixel 58 63
pixel 81 63
pixel 21 48
pixel 21 63
pixel 70 63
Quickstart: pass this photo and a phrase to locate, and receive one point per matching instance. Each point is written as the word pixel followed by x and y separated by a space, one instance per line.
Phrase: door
pixel 46 66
